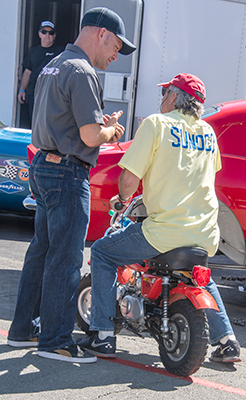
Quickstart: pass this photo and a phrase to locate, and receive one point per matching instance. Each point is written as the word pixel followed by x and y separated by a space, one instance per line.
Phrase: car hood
pixel 14 141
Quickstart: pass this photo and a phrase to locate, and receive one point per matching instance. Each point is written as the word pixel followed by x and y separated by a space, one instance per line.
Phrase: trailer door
pixel 120 79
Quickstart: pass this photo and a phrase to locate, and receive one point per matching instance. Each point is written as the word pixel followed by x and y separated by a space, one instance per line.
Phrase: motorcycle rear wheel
pixel 185 352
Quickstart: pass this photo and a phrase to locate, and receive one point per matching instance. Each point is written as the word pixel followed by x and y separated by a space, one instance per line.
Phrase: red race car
pixel 229 123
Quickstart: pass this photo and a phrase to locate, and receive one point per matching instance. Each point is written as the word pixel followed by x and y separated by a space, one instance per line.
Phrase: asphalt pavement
pixel 137 373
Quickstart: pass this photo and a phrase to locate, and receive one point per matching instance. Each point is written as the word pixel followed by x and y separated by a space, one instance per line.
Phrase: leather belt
pixel 71 158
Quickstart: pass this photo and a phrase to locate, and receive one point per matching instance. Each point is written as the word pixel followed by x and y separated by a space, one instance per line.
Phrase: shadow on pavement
pixel 31 374
pixel 16 227
pixel 9 285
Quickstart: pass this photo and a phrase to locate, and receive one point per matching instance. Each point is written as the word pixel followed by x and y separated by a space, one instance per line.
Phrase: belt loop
pixel 66 157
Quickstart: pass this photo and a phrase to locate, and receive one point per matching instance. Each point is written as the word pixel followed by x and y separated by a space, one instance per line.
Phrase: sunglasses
pixel 163 91
pixel 44 31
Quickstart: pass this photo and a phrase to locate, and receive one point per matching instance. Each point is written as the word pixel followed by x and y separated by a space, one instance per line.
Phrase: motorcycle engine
pixel 132 307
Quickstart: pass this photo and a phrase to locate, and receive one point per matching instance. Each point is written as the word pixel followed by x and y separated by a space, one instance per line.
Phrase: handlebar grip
pixel 118 206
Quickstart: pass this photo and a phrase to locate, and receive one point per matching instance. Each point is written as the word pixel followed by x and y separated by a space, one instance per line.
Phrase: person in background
pixel 68 128
pixel 36 59
pixel 176 156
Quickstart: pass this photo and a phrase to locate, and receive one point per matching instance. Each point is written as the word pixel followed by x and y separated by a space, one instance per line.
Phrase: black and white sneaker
pixel 70 354
pixel 103 348
pixel 23 343
pixel 32 342
pixel 228 352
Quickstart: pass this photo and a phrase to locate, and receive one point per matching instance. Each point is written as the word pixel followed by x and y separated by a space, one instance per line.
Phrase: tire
pixel 84 304
pixel 84 307
pixel 186 352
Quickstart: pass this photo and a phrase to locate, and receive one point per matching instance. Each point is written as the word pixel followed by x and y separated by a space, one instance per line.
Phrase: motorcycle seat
pixel 181 258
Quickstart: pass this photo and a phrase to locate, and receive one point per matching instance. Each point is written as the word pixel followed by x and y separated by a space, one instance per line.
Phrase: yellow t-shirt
pixel 177 157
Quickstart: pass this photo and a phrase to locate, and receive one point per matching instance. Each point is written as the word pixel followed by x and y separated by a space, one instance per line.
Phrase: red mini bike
pixel 164 296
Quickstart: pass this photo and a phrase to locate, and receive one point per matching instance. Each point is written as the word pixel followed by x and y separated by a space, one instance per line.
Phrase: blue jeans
pixel 51 271
pixel 128 246
pixel 219 323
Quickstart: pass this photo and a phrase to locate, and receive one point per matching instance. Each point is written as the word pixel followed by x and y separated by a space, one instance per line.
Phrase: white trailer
pixel 203 37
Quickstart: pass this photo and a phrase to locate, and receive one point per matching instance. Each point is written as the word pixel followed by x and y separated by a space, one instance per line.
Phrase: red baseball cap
pixel 190 84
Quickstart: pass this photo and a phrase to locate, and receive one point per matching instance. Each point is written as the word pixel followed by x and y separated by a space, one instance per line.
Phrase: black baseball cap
pixel 45 24
pixel 105 18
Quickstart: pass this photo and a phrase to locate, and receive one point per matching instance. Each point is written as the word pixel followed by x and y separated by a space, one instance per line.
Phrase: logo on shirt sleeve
pixel 50 71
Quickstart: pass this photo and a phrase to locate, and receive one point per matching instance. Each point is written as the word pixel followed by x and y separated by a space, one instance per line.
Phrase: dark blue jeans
pixel 51 271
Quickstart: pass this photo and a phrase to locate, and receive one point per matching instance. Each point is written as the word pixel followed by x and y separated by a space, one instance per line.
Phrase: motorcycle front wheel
pixel 184 351
pixel 84 307
pixel 84 304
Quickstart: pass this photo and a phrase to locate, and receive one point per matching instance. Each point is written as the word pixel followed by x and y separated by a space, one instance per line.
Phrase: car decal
pixel 3 170
pixel 16 163
pixel 105 148
pixel 8 171
pixel 11 187
pixel 12 172
pixel 23 174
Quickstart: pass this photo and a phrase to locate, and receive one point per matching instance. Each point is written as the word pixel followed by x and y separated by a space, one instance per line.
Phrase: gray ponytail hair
pixel 186 103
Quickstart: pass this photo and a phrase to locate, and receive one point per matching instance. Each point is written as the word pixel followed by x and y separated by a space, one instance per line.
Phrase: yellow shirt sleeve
pixel 138 158
pixel 218 163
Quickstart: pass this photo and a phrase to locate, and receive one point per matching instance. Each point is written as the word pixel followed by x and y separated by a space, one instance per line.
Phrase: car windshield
pixel 210 111
pixel 2 125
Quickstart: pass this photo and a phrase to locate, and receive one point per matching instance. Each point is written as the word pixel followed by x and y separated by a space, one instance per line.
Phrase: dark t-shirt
pixel 36 59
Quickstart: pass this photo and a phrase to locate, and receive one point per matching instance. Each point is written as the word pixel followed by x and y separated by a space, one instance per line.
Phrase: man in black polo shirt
pixel 36 59
pixel 68 127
